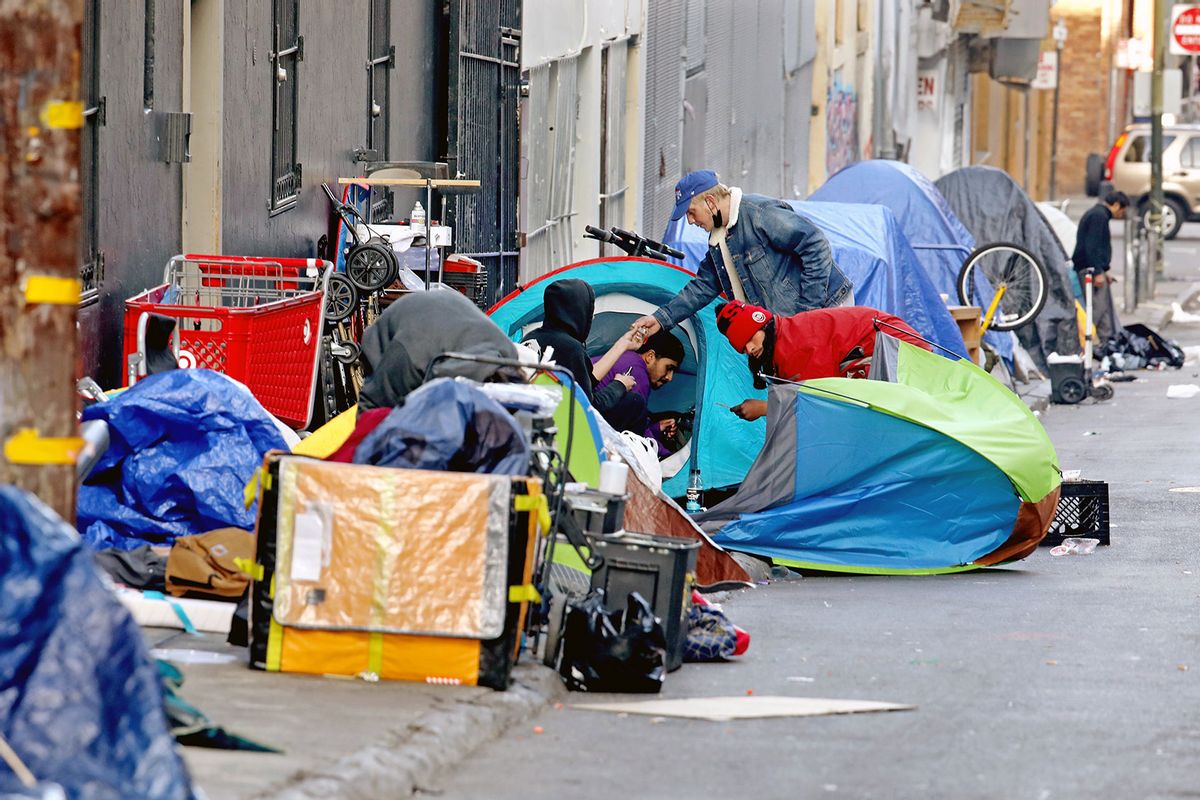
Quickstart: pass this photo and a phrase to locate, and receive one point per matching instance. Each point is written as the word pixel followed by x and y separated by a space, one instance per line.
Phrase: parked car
pixel 1127 169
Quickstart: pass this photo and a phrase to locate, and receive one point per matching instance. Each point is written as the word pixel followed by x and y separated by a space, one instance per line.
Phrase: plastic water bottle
pixel 418 215
pixel 694 492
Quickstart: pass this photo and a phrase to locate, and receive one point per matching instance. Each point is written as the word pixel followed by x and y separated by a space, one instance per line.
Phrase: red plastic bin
pixel 256 319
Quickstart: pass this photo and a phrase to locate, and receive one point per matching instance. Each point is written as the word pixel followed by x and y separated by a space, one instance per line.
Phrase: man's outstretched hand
pixel 750 410
pixel 648 326
pixel 667 426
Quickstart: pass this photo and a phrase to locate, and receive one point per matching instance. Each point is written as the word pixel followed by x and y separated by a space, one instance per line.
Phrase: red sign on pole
pixel 1185 30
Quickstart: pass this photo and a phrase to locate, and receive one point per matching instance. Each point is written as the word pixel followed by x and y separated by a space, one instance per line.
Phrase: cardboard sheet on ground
pixel 725 709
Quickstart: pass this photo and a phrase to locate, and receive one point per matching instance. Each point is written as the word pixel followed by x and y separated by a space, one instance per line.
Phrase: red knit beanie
pixel 740 321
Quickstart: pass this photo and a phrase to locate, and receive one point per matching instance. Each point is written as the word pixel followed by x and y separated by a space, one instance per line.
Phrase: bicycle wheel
pixel 1007 267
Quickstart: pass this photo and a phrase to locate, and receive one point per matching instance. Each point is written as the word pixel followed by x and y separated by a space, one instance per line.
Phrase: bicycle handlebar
pixel 632 243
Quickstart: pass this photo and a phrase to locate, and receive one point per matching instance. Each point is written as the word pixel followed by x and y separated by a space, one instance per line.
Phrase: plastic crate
pixel 1082 512
pixel 258 320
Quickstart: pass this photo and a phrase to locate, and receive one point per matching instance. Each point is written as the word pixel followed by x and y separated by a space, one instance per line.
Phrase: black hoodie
pixel 570 305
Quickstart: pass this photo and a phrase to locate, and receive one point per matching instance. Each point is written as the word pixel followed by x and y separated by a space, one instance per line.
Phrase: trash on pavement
pixel 1082 511
pixel 1075 547
pixel 157 610
pixel 727 709
pixel 1182 391
pixel 1136 346
pixel 612 651
pixel 190 725
pixel 67 640
pixel 183 446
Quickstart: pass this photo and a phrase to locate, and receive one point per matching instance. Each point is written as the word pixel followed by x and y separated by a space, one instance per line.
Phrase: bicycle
pixel 1005 280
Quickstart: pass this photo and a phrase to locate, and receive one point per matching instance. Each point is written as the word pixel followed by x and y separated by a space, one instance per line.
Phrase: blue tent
pixel 713 373
pixel 938 238
pixel 870 248
pixel 80 699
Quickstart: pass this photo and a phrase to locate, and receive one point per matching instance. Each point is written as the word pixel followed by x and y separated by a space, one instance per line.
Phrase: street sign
pixel 1047 72
pixel 1185 30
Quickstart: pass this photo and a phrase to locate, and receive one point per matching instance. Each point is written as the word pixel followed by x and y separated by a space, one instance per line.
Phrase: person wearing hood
pixel 825 343
pixel 570 306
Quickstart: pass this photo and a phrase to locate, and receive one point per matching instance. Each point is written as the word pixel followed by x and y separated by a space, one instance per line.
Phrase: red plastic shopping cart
pixel 258 320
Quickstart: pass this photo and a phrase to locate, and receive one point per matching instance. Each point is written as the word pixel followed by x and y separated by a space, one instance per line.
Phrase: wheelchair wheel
pixel 1009 268
pixel 341 298
pixel 371 266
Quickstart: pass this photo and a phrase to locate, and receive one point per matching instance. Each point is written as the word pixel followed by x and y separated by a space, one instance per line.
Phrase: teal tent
pixel 712 377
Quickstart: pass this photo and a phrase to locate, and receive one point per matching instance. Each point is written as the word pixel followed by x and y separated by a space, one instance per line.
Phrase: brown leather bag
pixel 205 566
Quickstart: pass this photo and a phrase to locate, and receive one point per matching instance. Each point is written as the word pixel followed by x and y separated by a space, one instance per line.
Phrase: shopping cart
pixel 258 320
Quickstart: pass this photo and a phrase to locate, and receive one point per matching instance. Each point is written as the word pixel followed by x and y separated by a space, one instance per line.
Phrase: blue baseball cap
pixel 689 186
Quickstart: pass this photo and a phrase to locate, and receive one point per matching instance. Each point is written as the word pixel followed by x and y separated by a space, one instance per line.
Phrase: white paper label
pixel 308 541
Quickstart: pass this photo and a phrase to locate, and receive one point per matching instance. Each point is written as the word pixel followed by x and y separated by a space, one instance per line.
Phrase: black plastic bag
pixel 1138 345
pixel 612 651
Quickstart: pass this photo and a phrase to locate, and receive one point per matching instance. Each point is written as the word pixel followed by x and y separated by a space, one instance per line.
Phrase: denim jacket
pixel 783 260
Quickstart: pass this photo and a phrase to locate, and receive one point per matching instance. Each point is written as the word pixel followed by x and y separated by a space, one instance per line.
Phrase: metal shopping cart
pixel 258 320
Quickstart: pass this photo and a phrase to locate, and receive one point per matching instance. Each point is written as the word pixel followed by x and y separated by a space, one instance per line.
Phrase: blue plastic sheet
pixel 873 252
pixel 183 446
pixel 447 425
pixel 80 699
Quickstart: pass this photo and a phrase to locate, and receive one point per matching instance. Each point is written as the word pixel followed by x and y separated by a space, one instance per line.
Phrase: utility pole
pixel 1156 135
pixel 40 121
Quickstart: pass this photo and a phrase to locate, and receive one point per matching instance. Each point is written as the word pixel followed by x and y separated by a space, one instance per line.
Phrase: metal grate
pixel 484 73
pixel 286 52
pixel 613 186
pixel 664 110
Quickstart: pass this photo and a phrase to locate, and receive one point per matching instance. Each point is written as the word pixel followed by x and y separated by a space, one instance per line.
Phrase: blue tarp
pixel 870 248
pixel 80 699
pixel 447 425
pixel 938 238
pixel 183 446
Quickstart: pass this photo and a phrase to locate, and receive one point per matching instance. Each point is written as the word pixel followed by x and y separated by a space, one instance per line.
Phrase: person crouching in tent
pixel 651 366
pixel 824 343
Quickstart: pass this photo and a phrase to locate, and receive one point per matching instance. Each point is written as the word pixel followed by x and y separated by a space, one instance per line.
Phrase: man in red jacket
pixel 824 343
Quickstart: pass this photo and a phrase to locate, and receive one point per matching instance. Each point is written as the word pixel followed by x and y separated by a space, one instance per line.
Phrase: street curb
pixel 438 740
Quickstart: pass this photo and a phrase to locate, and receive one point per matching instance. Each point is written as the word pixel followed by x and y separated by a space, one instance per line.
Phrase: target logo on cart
pixel 186 359
pixel 1185 30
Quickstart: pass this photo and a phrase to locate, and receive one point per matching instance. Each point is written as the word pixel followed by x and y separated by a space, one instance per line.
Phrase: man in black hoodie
pixel 570 305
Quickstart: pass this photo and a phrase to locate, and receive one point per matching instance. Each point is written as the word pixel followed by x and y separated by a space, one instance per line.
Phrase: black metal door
pixel 484 74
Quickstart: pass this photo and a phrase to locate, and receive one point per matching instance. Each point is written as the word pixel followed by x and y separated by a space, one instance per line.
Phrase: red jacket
pixel 833 342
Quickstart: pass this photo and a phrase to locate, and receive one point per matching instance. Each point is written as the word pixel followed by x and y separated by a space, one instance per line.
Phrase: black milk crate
pixel 1082 512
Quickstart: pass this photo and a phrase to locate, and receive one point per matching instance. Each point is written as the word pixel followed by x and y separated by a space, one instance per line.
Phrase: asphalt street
pixel 1071 677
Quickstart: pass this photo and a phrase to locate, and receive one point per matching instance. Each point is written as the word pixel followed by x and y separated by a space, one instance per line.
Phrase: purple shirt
pixel 632 363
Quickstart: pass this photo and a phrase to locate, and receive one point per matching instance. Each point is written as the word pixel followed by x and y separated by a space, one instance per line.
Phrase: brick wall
pixel 1083 102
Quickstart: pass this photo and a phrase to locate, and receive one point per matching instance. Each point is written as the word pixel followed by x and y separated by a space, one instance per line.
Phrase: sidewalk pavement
pixel 340 737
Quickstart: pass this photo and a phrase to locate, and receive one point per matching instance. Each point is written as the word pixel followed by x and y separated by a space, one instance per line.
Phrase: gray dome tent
pixel 995 209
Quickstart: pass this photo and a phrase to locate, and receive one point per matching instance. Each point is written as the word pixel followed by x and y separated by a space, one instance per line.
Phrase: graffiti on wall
pixel 841 126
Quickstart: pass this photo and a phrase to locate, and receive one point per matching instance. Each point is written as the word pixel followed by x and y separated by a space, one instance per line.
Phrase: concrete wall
pixel 558 30
pixel 843 93
pixel 332 116
pixel 226 82
pixel 138 195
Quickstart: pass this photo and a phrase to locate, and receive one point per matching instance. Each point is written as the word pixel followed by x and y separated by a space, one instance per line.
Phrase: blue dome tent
pixel 938 238
pixel 712 373
pixel 869 246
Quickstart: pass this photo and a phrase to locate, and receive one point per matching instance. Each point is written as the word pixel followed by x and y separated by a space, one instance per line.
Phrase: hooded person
pixel 398 348
pixel 570 306
pixel 824 343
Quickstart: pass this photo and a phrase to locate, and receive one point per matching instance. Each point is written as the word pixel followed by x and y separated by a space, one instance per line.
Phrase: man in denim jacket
pixel 760 251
